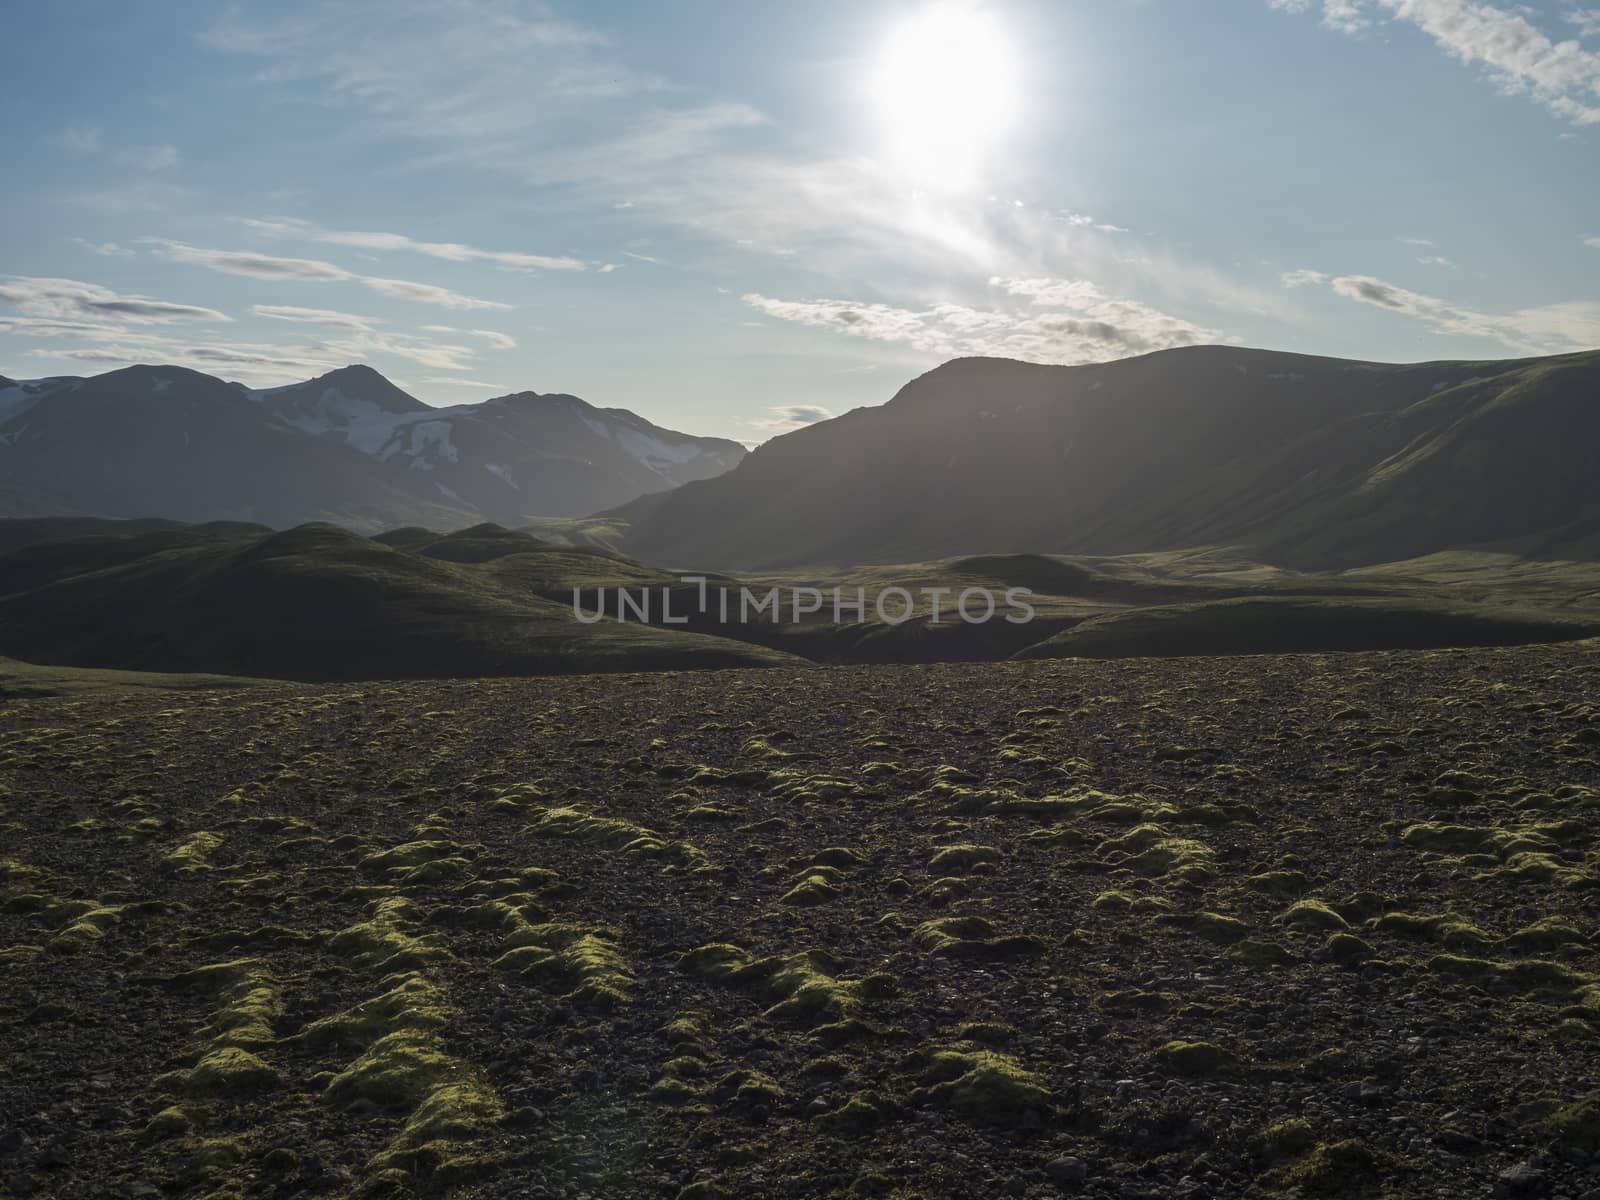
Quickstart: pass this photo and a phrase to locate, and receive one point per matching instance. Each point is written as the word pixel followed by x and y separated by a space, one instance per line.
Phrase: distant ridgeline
pixel 348 447
pixel 1307 462
pixel 318 602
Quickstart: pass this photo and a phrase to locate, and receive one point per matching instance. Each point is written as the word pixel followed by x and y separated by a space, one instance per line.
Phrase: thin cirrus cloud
pixel 268 266
pixel 44 297
pixel 1520 57
pixel 312 316
pixel 287 227
pixel 1068 321
pixel 500 341
pixel 1547 329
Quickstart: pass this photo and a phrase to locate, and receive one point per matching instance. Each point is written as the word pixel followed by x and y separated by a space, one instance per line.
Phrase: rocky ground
pixel 1316 925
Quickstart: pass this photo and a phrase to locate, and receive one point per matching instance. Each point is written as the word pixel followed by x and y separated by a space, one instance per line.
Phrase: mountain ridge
pixel 349 447
pixel 1307 461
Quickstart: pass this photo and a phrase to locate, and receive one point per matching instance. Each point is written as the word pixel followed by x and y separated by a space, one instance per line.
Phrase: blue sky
pixel 732 218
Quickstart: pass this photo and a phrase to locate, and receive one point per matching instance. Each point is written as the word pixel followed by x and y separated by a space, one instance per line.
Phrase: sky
pixel 735 219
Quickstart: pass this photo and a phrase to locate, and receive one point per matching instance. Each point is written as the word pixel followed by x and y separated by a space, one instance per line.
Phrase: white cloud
pixel 1520 57
pixel 1293 279
pixel 786 418
pixel 288 227
pixel 457 381
pixel 1546 329
pixel 312 316
pixel 268 266
pixel 1592 241
pixel 42 297
pixel 500 341
pixel 1585 20
pixel 1078 324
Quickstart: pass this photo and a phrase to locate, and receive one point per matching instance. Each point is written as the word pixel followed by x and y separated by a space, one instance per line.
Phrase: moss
pixel 1312 914
pixel 409 856
pixel 840 857
pixel 1443 928
pixel 1541 867
pixel 581 823
pixel 1279 883
pixel 384 945
pixel 170 1122
pixel 1551 933
pixel 194 853
pixel 1215 927
pixel 219 1154
pixel 958 860
pixel 1578 1125
pixel 1347 947
pixel 1255 953
pixel 1152 852
pixel 1197 1059
pixel 984 1085
pixel 1286 1139
pixel 452 869
pixel 674 1092
pixel 861 1113
pixel 414 1003
pixel 1531 975
pixel 816 888
pixel 973 937
pixel 1347 1168
pixel 719 961
pixel 583 964
pixel 748 1090
pixel 88 922
pixel 226 1071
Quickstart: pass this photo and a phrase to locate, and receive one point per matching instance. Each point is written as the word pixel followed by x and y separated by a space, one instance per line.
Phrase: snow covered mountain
pixel 349 447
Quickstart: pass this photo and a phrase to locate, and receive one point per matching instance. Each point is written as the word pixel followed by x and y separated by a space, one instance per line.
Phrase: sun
pixel 945 91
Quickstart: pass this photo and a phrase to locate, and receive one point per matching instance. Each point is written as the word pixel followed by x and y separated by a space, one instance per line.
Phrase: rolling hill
pixel 1309 462
pixel 348 447
pixel 320 603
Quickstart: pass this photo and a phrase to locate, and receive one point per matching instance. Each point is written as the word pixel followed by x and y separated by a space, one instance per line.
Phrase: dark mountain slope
pixel 348 447
pixel 1191 447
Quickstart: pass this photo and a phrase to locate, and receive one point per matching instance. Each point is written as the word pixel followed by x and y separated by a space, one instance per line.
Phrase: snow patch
pixel 501 473
pixel 453 496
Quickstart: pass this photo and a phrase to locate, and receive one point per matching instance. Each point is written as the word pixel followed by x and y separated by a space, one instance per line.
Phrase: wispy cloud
pixel 1592 241
pixel 458 381
pixel 1067 321
pixel 104 249
pixel 44 297
pixel 312 316
pixel 785 418
pixel 288 227
pixel 1547 329
pixel 1521 58
pixel 268 266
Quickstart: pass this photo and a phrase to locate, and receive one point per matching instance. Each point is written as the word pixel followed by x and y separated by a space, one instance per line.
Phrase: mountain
pixel 318 603
pixel 348 447
pixel 1316 463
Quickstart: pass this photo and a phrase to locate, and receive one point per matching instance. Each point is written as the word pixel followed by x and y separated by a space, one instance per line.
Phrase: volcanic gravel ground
pixel 1303 925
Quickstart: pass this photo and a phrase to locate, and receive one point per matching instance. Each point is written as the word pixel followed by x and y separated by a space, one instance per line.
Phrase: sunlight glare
pixel 945 91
